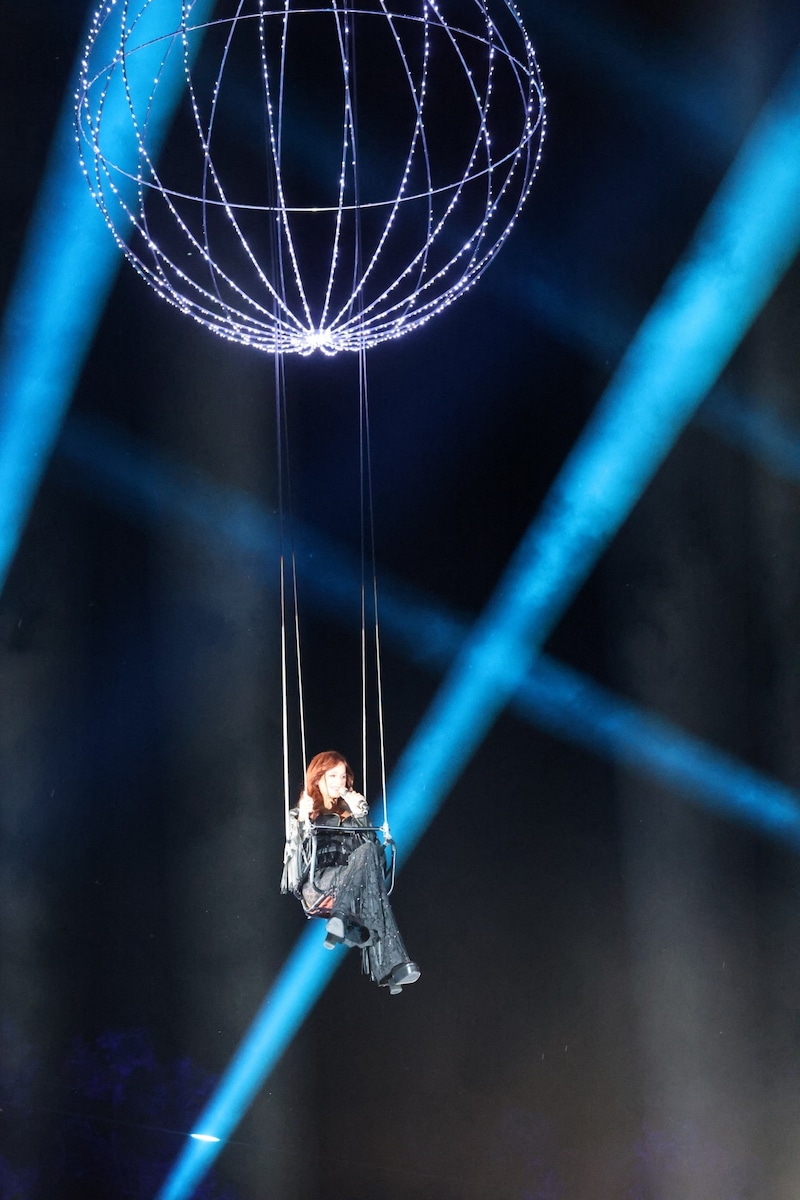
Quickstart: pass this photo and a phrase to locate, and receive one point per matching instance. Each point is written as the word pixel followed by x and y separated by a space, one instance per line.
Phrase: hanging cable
pixel 369 569
pixel 289 600
pixel 279 396
pixel 292 673
pixel 288 594
pixel 366 506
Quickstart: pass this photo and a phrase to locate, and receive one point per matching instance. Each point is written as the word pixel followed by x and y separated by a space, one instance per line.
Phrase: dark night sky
pixel 609 1002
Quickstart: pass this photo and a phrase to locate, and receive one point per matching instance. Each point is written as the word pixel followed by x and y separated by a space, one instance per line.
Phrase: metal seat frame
pixel 323 907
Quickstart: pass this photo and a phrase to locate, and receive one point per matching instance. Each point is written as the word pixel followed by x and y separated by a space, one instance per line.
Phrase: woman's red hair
pixel 320 763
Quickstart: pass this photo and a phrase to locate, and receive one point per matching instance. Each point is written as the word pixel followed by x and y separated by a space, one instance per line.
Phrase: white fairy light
pixel 256 219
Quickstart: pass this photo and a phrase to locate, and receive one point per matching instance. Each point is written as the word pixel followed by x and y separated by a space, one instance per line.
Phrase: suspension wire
pixel 289 603
pixel 280 396
pixel 289 590
pixel 346 33
pixel 286 510
pixel 366 504
pixel 368 551
pixel 368 561
pixel 363 590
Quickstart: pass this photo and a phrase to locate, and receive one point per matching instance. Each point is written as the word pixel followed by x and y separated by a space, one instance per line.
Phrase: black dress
pixel 349 883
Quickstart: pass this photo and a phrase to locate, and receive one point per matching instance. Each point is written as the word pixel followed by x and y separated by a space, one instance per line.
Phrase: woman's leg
pixel 361 897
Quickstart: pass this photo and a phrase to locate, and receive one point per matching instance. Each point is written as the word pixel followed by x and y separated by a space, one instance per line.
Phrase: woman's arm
pixel 296 852
pixel 304 807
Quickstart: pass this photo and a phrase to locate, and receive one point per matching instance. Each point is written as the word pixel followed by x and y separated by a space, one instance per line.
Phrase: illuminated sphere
pixel 310 174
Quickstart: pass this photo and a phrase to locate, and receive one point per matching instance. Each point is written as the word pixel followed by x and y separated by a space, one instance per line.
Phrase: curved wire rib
pixel 255 236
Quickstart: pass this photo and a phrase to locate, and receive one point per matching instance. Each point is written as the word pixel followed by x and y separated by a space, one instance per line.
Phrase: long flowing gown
pixel 353 889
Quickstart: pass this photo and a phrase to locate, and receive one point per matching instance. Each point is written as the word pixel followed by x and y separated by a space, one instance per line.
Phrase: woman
pixel 348 883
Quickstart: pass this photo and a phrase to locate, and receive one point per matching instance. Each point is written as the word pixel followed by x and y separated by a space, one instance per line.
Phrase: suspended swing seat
pixel 319 902
pixel 323 906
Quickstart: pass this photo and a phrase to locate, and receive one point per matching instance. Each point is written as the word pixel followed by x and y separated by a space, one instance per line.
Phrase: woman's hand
pixel 356 803
pixel 304 807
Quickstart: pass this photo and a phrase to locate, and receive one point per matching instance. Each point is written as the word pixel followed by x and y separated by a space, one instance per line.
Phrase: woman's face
pixel 334 782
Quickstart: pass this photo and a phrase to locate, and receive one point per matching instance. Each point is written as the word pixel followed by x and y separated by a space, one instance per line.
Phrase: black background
pixel 608 1004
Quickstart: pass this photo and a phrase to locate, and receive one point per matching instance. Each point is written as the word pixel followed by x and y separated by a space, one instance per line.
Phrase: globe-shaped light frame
pixel 310 174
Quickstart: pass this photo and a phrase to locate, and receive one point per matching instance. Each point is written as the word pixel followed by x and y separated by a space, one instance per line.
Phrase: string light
pixel 255 220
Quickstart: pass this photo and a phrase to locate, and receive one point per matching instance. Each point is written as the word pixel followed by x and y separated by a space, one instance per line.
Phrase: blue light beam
pixel 141 484
pixel 65 274
pixel 649 75
pixel 301 981
pixel 745 242
pixel 756 431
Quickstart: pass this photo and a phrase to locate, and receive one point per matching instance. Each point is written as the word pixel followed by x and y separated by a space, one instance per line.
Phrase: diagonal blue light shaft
pixel 552 697
pixel 693 98
pixel 571 706
pixel 595 330
pixel 66 271
pixel 560 700
pixel 746 240
pixel 302 979
pixel 756 431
